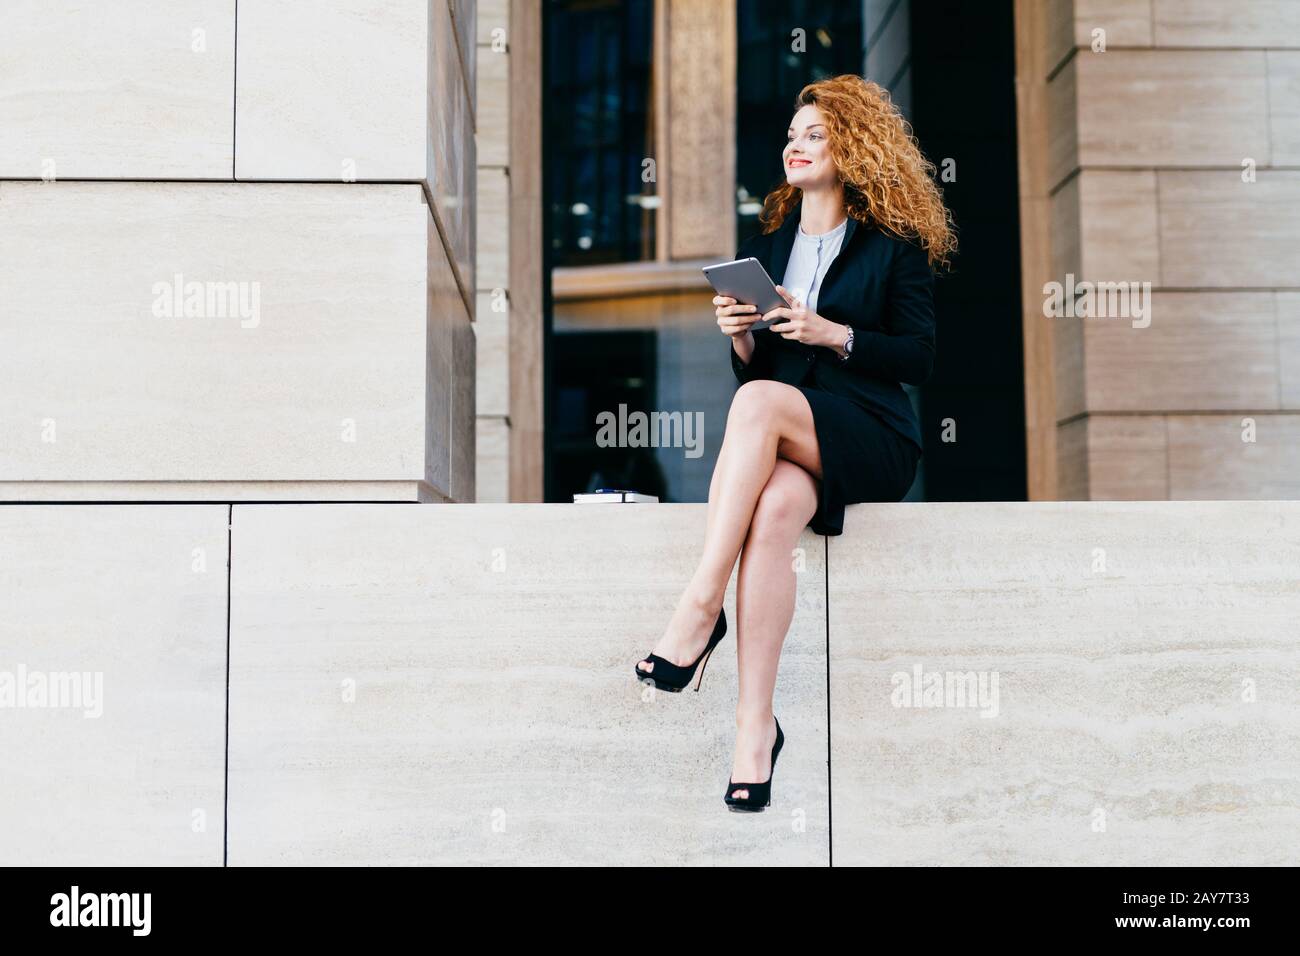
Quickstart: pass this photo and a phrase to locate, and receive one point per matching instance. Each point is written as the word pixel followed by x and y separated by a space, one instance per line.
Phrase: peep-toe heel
pixel 672 677
pixel 760 794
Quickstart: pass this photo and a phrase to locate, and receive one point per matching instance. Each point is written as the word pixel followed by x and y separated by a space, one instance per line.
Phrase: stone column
pixel 1158 150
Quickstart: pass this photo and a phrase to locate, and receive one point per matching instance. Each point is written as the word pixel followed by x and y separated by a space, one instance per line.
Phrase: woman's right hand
pixel 734 319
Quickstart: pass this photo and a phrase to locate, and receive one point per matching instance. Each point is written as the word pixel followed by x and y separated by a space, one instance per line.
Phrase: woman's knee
pixel 786 503
pixel 755 403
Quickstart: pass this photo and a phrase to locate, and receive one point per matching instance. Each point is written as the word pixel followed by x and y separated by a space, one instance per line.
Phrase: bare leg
pixel 768 420
pixel 765 594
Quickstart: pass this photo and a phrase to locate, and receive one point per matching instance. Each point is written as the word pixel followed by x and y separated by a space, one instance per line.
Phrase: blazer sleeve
pixel 760 363
pixel 904 351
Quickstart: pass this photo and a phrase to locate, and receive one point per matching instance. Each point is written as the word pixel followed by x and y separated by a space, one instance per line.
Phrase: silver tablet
pixel 746 281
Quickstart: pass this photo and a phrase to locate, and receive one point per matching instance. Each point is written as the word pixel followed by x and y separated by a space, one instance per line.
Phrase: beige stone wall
pixel 508 319
pixel 308 169
pixel 1168 157
pixel 455 685
pixel 695 58
pixel 492 312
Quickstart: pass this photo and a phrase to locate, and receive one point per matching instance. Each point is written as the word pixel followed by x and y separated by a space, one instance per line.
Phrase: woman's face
pixel 807 158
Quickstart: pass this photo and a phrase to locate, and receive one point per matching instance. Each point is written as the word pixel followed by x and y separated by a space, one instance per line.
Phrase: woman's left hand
pixel 803 325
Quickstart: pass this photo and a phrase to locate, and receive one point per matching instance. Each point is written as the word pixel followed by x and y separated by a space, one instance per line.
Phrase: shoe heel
pixel 703 664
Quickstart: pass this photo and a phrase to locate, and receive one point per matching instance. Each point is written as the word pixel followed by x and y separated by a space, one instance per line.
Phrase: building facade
pixel 271 272
pixel 414 256
pixel 1130 156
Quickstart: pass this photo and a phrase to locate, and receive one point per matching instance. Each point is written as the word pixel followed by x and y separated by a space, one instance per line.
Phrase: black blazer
pixel 880 285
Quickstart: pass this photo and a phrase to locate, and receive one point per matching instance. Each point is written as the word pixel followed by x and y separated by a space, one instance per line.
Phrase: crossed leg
pixel 763 488
pixel 765 594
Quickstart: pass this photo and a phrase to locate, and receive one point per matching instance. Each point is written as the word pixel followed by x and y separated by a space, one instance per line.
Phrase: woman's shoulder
pixel 904 251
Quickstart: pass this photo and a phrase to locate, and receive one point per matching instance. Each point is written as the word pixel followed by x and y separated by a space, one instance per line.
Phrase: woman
pixel 821 419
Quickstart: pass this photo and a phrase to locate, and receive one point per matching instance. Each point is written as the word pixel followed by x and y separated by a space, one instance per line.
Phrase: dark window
pixel 770 74
pixel 598 93
pixel 596 133
pixel 596 372
pixel 978 379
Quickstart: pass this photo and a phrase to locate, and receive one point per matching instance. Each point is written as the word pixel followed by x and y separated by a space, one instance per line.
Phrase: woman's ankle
pixel 754 719
pixel 703 600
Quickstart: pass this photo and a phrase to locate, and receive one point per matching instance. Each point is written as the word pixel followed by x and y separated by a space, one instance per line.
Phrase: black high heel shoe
pixel 760 794
pixel 674 678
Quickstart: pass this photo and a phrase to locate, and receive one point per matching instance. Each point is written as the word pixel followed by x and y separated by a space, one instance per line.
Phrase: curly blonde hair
pixel 887 181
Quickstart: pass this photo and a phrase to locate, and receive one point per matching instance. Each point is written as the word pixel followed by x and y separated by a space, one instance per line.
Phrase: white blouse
pixel 810 257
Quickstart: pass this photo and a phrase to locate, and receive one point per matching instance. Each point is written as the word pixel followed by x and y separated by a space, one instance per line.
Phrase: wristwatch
pixel 848 345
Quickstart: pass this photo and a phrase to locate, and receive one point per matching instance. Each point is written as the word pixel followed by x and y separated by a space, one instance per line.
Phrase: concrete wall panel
pixel 496 718
pixel 332 91
pixel 1214 23
pixel 134 597
pixel 320 377
pixel 1231 457
pixel 1171 108
pixel 132 89
pixel 1147 662
pixel 1219 232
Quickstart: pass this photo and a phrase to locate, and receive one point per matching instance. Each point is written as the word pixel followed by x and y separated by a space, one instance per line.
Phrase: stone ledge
pixel 454 684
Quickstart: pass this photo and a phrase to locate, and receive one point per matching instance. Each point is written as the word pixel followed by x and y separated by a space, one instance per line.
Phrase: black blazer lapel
pixel 843 256
pixel 778 251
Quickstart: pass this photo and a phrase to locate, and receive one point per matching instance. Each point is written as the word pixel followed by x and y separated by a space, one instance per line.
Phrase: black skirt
pixel 863 459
